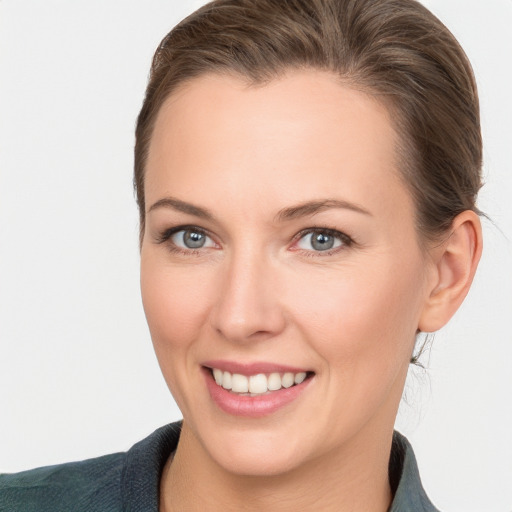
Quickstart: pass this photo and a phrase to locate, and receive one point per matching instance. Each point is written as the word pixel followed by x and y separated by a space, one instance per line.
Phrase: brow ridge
pixel 306 209
pixel 310 208
pixel 182 206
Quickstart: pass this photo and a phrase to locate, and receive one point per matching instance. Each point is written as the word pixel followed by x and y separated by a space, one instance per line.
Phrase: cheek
pixel 175 304
pixel 363 328
pixel 365 316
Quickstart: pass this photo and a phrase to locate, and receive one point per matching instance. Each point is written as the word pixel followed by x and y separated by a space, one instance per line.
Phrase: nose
pixel 248 306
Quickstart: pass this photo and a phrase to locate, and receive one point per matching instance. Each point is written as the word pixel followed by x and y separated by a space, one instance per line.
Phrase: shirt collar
pixel 405 479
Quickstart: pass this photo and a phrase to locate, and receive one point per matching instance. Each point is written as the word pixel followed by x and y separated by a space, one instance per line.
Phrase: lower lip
pixel 252 406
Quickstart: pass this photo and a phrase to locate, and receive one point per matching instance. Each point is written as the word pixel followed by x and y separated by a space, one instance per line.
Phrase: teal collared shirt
pixel 129 481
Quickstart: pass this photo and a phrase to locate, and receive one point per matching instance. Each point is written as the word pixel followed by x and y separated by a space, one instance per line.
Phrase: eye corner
pixel 161 237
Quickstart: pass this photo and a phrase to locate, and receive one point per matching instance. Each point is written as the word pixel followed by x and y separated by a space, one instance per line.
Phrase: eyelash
pixel 166 235
pixel 346 241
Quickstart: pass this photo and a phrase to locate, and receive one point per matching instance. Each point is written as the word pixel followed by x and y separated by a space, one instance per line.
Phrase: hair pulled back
pixel 394 50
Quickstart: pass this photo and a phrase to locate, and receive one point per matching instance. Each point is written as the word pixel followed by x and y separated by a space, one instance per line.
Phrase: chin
pixel 257 455
pixel 264 449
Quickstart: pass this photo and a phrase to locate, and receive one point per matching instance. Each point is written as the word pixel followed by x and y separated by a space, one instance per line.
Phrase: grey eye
pixel 191 239
pixel 320 241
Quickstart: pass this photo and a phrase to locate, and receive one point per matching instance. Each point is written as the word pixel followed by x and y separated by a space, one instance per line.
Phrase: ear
pixel 454 265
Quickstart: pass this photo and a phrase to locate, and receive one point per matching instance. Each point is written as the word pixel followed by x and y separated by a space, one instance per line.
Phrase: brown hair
pixel 393 49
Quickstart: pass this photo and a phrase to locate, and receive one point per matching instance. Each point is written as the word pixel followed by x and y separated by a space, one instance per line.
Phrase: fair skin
pixel 234 167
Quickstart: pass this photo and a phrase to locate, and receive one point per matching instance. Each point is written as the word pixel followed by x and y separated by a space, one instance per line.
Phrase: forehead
pixel 298 136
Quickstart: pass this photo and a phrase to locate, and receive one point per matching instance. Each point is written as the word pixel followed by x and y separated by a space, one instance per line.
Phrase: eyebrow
pixel 182 206
pixel 293 212
pixel 312 207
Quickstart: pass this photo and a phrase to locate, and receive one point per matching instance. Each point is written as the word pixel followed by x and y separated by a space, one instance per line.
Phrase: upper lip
pixel 252 368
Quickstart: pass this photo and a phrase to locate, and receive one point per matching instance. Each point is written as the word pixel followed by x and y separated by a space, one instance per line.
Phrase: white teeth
pixel 274 382
pixel 257 384
pixel 288 380
pixel 217 375
pixel 299 377
pixel 239 383
pixel 226 380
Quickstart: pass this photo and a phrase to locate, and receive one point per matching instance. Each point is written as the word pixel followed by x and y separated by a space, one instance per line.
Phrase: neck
pixel 354 478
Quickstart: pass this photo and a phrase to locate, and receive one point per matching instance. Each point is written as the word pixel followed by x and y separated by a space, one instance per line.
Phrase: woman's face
pixel 280 239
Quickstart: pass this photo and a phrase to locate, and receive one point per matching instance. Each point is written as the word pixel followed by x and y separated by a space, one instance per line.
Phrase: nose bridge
pixel 248 304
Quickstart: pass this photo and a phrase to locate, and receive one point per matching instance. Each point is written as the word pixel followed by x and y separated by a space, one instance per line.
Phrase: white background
pixel 78 377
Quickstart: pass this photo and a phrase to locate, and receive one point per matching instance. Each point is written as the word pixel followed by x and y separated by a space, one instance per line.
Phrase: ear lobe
pixel 455 260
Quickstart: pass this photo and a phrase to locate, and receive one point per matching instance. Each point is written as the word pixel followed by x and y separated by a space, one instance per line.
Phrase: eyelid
pixel 166 235
pixel 346 240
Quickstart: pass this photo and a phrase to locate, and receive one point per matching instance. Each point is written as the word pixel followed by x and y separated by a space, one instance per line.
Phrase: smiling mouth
pixel 259 384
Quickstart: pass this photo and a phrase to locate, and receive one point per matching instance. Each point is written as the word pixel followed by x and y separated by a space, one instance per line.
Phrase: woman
pixel 306 174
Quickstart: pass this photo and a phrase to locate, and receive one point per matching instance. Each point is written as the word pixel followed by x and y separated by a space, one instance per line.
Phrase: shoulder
pixel 72 486
pixel 113 482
